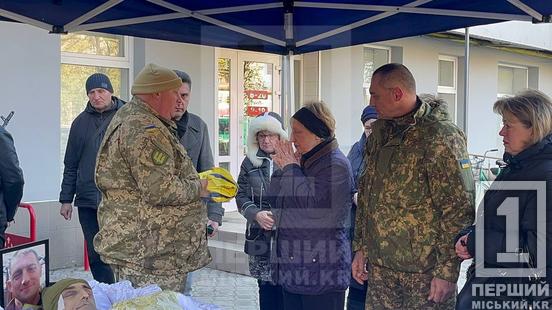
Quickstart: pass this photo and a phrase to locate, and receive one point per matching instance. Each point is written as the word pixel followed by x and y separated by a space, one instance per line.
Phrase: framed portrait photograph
pixel 25 273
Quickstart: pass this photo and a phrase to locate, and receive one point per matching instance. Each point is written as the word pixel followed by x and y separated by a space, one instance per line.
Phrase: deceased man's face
pixel 78 296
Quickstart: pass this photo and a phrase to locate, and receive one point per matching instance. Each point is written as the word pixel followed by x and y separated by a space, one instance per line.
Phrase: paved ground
pixel 226 290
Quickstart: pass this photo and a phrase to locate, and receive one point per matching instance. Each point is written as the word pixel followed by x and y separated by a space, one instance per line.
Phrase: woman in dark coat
pixel 255 173
pixel 514 214
pixel 311 199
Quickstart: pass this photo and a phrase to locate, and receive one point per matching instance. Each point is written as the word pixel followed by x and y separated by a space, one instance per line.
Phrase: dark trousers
pixel 270 296
pixel 101 271
pixel 328 301
pixel 3 235
pixel 356 299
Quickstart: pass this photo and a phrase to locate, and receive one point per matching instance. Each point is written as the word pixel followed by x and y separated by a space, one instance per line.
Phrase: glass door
pixel 248 85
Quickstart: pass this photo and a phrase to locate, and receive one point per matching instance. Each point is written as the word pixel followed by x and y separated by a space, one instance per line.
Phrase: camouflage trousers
pixel 389 289
pixel 175 282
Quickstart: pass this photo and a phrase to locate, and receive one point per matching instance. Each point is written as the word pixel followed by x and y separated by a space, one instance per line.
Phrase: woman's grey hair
pixel 533 109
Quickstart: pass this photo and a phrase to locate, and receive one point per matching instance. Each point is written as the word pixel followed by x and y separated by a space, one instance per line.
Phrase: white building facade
pixel 42 80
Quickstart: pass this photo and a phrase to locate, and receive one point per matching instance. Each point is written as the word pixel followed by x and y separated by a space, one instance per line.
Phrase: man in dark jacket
pixel 85 137
pixel 194 136
pixel 11 182
pixel 357 292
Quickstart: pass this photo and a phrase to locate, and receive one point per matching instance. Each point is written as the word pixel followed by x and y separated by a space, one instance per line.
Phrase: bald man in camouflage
pixel 416 192
pixel 151 218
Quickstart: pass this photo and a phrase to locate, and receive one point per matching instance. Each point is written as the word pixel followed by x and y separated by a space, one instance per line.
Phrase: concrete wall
pixel 311 71
pixel 341 89
pixel 341 84
pixel 199 63
pixel 30 86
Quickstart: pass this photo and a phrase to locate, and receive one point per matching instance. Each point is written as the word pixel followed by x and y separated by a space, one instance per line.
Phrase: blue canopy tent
pixel 281 27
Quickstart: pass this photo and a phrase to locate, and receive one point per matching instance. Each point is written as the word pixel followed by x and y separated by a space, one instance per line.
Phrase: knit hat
pixel 51 295
pixel 369 112
pixel 269 121
pixel 98 80
pixel 155 79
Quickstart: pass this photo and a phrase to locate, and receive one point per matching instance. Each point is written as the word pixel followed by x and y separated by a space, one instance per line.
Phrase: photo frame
pixel 30 261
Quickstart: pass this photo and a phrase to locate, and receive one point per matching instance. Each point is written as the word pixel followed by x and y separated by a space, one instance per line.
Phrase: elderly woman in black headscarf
pixel 311 199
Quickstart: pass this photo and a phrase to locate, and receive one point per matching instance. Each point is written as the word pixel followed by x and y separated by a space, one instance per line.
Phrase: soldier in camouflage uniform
pixel 152 221
pixel 416 191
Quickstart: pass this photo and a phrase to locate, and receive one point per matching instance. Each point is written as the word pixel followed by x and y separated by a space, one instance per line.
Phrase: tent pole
pixel 466 78
pixel 286 106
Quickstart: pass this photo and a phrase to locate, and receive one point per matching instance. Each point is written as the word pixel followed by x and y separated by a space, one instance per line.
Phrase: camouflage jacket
pixel 151 217
pixel 416 192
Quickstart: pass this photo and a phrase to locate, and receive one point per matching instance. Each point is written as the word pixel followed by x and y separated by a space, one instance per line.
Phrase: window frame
pixel 366 86
pixel 449 89
pixel 378 47
pixel 508 65
pixel 120 62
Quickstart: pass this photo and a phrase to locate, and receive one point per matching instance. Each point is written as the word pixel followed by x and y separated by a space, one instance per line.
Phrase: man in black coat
pixel 194 136
pixel 85 137
pixel 11 182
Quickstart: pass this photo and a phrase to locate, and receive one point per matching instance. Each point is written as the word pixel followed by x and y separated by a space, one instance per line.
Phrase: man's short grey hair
pixel 22 253
pixel 184 77
pixel 398 73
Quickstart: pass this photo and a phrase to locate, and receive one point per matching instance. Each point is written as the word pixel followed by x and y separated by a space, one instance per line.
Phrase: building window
pixel 374 57
pixel 511 79
pixel 447 84
pixel 81 56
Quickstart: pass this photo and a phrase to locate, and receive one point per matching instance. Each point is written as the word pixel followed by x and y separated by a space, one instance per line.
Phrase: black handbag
pixel 257 241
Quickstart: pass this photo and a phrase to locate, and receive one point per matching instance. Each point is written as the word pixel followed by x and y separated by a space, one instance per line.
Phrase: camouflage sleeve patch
pixel 159 157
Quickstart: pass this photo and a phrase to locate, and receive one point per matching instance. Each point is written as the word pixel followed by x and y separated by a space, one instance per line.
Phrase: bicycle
pixel 484 176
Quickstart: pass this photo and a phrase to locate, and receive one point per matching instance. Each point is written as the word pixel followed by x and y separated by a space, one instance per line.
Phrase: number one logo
pixel 510 209
pixel 514 252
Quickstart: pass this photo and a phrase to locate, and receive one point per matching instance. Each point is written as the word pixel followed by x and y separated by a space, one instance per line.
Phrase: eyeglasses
pixel 262 136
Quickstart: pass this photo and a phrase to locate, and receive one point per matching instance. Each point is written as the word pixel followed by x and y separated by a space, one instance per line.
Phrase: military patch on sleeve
pixel 159 157
pixel 150 127
pixel 464 163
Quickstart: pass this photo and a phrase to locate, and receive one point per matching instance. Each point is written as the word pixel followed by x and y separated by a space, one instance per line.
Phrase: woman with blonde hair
pixel 527 138
pixel 311 199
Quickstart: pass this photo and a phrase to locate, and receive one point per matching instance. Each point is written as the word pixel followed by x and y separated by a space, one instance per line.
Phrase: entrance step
pixel 227 245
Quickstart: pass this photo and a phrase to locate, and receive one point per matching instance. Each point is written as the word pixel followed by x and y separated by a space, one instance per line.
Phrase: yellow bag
pixel 222 186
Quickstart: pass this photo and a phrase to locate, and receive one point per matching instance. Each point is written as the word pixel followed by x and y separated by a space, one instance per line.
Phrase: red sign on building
pixel 253 111
pixel 257 94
